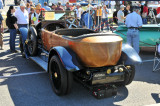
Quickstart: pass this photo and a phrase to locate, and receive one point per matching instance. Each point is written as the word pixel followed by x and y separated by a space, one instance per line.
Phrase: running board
pixel 40 62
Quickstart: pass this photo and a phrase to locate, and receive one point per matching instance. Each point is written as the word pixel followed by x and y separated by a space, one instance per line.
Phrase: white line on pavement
pixel 15 75
pixel 32 73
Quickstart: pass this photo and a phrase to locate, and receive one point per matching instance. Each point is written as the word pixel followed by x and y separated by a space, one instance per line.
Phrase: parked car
pixel 97 60
pixel 149 35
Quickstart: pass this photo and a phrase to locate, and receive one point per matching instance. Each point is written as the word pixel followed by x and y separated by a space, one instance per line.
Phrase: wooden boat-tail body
pixel 93 51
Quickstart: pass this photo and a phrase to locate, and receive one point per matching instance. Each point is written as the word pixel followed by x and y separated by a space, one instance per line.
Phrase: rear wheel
pixel 61 79
pixel 128 77
pixel 132 74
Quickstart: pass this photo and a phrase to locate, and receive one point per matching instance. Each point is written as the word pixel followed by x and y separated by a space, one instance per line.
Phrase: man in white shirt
pixel 120 15
pixel 113 3
pixel 79 11
pixel 35 16
pixel 22 16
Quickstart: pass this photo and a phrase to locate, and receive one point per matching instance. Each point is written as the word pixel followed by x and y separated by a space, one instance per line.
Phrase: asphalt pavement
pixel 30 85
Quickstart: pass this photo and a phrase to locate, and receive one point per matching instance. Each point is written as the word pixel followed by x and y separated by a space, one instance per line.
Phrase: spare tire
pixel 32 41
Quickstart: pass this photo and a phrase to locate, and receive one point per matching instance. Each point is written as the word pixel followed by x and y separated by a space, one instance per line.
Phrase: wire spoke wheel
pixel 32 42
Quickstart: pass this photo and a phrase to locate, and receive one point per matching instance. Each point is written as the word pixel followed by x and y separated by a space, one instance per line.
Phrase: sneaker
pixel 15 51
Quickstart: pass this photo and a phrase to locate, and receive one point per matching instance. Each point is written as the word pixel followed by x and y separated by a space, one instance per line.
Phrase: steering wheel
pixel 72 22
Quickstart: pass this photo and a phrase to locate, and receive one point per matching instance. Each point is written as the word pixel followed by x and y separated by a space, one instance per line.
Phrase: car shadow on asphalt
pixel 37 88
pixel 38 91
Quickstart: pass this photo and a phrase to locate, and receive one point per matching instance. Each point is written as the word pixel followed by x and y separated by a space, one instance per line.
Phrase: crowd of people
pixel 94 17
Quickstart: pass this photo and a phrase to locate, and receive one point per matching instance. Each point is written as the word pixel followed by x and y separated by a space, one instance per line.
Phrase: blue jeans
pixel 104 21
pixel 98 22
pixel 1 6
pixel 13 34
pixel 144 20
pixel 133 38
pixel 20 26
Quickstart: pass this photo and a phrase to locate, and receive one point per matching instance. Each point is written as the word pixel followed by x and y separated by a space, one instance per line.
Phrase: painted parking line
pixel 34 73
pixel 24 74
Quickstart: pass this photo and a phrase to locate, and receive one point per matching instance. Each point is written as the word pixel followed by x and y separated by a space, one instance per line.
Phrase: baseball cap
pixel 22 4
pixel 122 6
pixel 95 6
pixel 78 4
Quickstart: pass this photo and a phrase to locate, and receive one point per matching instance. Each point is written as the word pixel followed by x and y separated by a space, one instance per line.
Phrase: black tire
pixel 21 46
pixel 32 42
pixel 62 83
pixel 128 79
pixel 69 82
pixel 131 76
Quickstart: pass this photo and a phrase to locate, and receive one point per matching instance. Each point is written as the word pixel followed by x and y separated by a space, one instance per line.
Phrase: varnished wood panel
pixel 96 51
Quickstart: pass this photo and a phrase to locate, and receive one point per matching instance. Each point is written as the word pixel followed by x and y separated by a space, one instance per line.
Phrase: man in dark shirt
pixel 1 31
pixel 67 9
pixel 127 10
pixel 59 7
pixel 67 6
pixel 115 17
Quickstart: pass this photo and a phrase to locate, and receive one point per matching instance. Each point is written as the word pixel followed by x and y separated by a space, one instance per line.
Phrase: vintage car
pixel 149 35
pixel 97 60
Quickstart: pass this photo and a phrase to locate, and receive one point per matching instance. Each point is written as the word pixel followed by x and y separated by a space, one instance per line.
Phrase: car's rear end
pixel 98 58
pixel 100 55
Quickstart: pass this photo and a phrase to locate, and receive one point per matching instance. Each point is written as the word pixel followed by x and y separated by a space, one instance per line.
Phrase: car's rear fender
pixel 67 57
pixel 132 55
